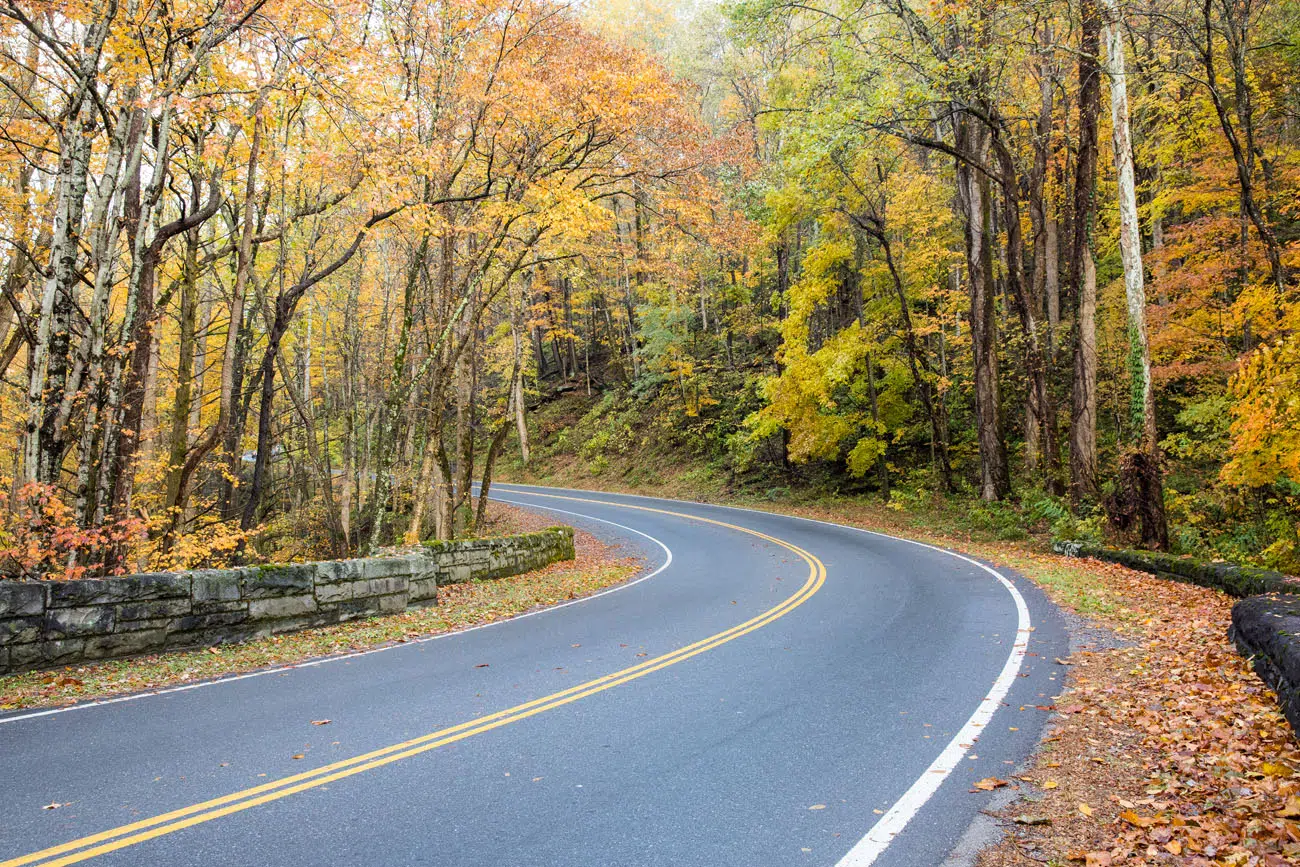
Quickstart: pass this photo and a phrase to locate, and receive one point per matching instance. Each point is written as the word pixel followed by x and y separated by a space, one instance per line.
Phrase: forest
pixel 286 280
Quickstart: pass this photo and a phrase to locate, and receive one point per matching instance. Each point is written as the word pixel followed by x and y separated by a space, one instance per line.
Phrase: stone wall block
pixel 209 637
pixel 71 594
pixel 23 656
pixel 387 567
pixel 385 586
pixel 123 643
pixel 218 607
pixel 275 607
pixel 339 571
pixel 423 589
pixel 149 623
pixel 22 598
pixel 216 585
pixel 152 608
pixel 150 585
pixel 352 609
pixel 457 574
pixel 392 604
pixel 340 592
pixel 262 582
pixel 216 619
pixel 60 650
pixel 86 620
pixel 20 630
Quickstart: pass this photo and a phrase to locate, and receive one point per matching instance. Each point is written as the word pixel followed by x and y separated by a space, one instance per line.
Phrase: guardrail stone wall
pixel 1266 630
pixel 1230 578
pixel 46 623
pixel 1265 622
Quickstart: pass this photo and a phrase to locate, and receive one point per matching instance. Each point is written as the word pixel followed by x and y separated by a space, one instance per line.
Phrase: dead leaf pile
pixel 1170 751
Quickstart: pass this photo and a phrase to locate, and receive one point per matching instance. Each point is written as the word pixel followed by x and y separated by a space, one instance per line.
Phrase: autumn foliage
pixel 41 538
pixel 287 279
pixel 271 267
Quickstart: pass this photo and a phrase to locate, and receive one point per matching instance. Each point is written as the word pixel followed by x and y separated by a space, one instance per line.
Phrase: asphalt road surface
pixel 770 691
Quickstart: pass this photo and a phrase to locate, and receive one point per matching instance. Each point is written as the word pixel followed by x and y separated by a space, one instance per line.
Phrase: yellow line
pixel 113 839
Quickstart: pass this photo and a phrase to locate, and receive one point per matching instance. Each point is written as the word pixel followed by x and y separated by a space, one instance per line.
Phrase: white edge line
pixel 896 818
pixel 280 669
pixel 890 825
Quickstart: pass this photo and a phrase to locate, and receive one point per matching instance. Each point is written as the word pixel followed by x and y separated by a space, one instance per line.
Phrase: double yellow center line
pixel 91 846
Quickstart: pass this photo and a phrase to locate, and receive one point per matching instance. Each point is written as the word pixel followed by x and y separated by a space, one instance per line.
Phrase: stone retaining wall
pixel 1230 578
pixel 45 623
pixel 1266 630
pixel 1265 622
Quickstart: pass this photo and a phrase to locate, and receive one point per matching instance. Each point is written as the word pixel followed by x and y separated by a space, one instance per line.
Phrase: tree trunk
pixel 49 364
pixel 1083 409
pixel 497 441
pixel 973 198
pixel 882 466
pixel 1240 132
pixel 1052 282
pixel 517 391
pixel 181 404
pixel 1155 529
pixel 1083 280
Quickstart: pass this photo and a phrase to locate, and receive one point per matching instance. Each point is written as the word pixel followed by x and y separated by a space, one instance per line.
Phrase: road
pixel 770 691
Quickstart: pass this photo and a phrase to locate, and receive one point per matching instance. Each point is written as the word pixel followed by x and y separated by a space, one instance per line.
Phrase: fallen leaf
pixel 1050 784
pixel 1275 769
pixel 988 784
pixel 1292 808
pixel 298 755
pixel 1032 820
pixel 321 722
pixel 1098 859
pixel 1135 820
pixel 54 806
pixel 817 807
pixel 482 665
pixel 1085 810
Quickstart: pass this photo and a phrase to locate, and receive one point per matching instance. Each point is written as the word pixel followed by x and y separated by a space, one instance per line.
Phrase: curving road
pixel 772 691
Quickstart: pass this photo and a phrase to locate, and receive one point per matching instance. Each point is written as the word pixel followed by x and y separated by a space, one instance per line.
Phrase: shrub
pixel 41 538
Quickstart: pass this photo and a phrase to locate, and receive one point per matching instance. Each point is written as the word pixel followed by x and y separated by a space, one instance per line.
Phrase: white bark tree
pixel 1155 529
